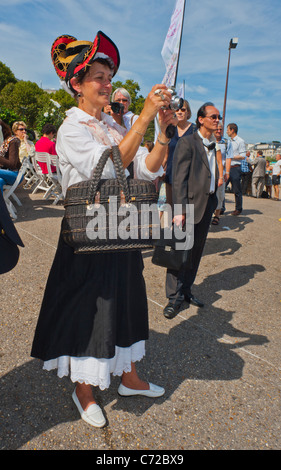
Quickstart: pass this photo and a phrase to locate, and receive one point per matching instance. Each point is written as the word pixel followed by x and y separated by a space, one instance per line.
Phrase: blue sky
pixel 139 27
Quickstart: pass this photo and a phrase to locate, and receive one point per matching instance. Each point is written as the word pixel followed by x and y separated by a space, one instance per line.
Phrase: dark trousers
pixel 235 179
pixel 179 283
pixel 245 181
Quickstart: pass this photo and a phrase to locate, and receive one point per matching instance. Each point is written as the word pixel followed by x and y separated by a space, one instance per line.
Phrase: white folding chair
pixel 31 178
pixel 54 177
pixel 44 184
pixel 9 190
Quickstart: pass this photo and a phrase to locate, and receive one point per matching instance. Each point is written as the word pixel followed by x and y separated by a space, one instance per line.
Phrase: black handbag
pixel 113 214
pixel 9 252
pixel 9 240
pixel 165 253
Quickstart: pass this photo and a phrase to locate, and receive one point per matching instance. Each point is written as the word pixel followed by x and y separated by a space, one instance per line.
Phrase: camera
pixel 176 102
pixel 117 108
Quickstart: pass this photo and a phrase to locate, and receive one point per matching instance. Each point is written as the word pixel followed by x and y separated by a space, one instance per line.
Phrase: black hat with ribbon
pixel 71 57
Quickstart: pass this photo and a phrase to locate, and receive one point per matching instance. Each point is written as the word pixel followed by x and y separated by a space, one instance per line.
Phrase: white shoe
pixel 154 391
pixel 93 415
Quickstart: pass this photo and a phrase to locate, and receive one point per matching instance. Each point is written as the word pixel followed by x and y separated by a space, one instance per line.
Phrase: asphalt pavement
pixel 220 365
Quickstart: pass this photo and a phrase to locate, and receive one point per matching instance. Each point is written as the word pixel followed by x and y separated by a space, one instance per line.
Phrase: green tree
pixel 25 98
pixel 6 76
pixel 8 116
pixel 28 102
pixel 50 114
pixel 64 99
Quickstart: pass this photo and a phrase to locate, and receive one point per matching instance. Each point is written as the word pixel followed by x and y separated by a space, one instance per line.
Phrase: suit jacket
pixel 191 175
pixel 259 167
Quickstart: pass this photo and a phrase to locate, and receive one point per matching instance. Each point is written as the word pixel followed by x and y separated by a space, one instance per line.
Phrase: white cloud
pixel 28 28
pixel 200 90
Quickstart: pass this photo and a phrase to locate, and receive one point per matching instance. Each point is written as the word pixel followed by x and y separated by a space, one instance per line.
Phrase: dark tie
pixel 211 146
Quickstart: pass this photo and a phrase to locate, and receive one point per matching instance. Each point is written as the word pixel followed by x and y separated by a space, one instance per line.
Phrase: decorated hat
pixel 70 56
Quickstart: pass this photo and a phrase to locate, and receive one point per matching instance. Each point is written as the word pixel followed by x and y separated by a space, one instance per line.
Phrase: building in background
pixel 269 149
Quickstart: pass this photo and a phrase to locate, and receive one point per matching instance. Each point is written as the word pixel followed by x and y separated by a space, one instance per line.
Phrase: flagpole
pixel 180 44
pixel 170 68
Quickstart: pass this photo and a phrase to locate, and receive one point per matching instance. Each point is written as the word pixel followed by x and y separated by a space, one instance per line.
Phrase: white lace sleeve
pixel 140 169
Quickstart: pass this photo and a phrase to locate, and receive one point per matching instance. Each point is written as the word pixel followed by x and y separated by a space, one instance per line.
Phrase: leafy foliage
pixel 64 99
pixel 6 76
pixel 24 98
pixel 8 116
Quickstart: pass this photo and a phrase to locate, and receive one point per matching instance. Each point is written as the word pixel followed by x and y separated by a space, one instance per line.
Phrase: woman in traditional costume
pixel 94 317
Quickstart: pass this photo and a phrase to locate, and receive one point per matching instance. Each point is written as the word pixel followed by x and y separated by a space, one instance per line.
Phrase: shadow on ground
pixel 33 400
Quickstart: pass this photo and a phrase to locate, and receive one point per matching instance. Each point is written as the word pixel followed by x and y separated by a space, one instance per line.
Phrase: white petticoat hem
pixel 96 372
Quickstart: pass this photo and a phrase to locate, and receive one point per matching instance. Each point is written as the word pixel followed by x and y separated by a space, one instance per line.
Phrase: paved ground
pixel 220 365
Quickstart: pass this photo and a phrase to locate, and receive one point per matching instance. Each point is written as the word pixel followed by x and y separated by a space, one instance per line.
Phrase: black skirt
pixel 92 303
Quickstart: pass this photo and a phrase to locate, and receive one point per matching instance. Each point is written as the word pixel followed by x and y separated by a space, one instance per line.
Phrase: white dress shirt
pixel 239 148
pixel 276 168
pixel 211 155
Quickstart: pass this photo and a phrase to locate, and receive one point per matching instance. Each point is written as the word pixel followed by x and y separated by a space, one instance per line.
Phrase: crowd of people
pixel 16 146
pixel 260 177
pixel 93 321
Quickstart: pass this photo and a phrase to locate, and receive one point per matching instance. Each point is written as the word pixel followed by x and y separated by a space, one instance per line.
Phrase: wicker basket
pixel 113 214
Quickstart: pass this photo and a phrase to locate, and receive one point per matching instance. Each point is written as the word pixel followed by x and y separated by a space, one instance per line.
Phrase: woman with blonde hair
pixel 26 145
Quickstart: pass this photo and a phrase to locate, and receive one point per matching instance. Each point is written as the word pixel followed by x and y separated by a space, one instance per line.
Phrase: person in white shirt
pixel 122 96
pixel 125 117
pixel 227 154
pixel 239 154
pixel 94 318
pixel 276 172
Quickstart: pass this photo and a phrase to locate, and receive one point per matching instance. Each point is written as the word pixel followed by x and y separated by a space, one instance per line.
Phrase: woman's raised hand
pixel 157 98
pixel 158 101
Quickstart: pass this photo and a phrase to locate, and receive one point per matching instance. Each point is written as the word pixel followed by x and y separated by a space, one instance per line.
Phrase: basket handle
pixel 119 169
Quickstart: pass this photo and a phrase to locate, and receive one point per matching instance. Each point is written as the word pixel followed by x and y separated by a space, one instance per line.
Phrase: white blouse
pixel 82 139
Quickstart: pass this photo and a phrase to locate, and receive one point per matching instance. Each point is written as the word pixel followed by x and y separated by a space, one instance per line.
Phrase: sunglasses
pixel 21 129
pixel 215 117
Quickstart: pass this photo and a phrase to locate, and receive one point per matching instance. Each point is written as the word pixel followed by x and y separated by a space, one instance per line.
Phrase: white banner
pixel 171 47
pixel 180 91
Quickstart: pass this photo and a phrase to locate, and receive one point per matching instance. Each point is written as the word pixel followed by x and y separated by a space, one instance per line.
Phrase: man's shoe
pixel 236 212
pixel 171 310
pixel 192 300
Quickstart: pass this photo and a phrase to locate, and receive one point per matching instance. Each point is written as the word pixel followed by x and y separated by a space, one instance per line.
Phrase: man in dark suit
pixel 195 180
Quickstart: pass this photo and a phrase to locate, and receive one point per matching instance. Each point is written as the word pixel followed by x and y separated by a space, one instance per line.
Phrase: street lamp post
pixel 232 45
